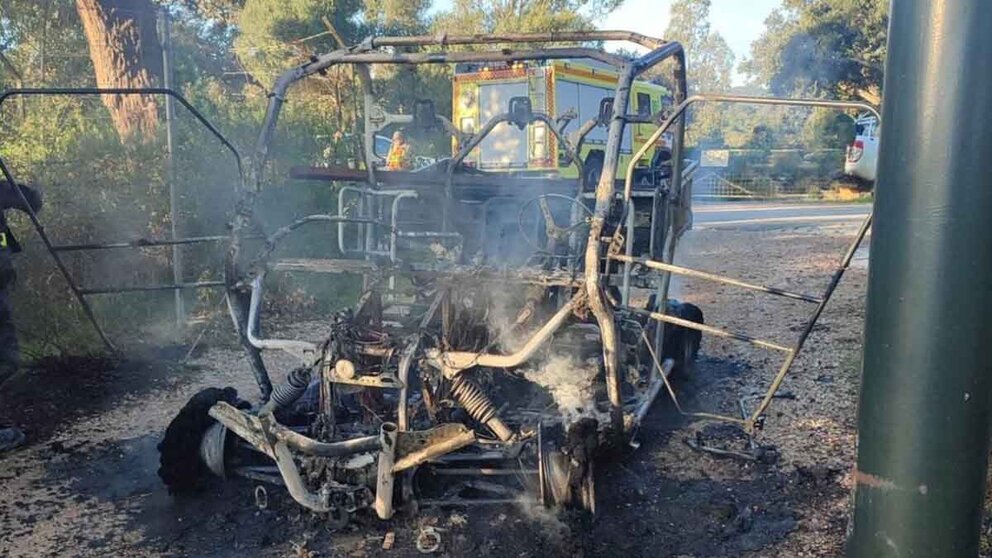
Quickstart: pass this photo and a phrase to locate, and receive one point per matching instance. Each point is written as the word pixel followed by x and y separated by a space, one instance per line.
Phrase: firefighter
pixel 400 156
pixel 10 355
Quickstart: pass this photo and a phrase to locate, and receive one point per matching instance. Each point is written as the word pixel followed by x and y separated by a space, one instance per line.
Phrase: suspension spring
pixel 471 397
pixel 478 406
pixel 285 394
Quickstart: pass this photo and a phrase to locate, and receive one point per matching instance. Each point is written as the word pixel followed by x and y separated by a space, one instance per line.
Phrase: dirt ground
pixel 86 483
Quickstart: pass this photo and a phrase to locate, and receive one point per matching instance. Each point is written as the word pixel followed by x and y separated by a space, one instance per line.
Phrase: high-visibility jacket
pixel 10 199
pixel 399 157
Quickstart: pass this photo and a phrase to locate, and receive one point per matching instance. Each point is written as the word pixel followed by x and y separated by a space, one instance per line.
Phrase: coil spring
pixel 296 383
pixel 471 397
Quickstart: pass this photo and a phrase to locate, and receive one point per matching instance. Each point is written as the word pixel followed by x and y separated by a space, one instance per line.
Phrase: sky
pixel 739 21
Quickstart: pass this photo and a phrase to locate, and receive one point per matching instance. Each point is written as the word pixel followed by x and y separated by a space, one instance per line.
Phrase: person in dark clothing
pixel 10 354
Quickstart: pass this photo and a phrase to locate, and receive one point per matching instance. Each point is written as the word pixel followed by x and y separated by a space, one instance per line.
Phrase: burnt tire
pixel 682 343
pixel 180 466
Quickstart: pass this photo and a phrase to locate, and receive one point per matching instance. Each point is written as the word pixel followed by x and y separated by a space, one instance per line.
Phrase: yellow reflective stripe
pixel 3 240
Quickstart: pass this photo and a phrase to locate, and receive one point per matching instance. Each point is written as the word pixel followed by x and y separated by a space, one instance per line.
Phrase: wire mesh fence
pixel 713 185
pixel 766 174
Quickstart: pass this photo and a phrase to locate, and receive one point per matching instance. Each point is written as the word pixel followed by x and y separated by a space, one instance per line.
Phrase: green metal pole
pixel 924 412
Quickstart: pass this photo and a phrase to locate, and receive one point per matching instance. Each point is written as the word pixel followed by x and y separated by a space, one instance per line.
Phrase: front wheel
pixel 180 466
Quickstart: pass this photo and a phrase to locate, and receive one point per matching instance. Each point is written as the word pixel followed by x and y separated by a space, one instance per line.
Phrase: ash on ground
pixel 86 484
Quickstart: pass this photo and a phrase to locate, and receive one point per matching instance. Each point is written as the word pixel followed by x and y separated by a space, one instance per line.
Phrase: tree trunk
pixel 124 47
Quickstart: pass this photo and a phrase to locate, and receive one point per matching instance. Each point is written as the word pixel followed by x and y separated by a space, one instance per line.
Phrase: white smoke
pixel 568 379
pixel 570 383
pixel 505 308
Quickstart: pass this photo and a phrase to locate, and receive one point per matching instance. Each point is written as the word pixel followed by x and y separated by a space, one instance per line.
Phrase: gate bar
pixel 87 311
pixel 142 288
pixel 139 243
pixel 70 91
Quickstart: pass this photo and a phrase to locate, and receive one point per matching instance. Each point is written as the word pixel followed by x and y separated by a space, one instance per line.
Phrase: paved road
pixel 772 215
pixel 747 214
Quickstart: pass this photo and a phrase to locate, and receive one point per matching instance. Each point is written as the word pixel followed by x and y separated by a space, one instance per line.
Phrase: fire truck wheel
pixel 592 169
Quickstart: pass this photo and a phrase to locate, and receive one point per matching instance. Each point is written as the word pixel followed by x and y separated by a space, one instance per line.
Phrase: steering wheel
pixel 553 232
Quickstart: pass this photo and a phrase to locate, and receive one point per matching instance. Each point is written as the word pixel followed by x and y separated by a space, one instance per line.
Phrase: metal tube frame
pixel 274 440
pixel 667 268
pixel 600 308
pixel 365 54
pixel 303 350
pixel 452 363
pixel 679 270
pixel 79 294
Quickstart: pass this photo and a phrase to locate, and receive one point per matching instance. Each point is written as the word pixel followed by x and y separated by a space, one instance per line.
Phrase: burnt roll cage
pixel 373 51
pixel 589 278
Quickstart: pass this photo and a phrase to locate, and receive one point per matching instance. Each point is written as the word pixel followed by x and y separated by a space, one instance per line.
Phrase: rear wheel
pixel 682 343
pixel 565 466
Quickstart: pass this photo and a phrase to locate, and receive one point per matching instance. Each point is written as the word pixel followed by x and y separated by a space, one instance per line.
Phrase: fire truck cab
pixel 571 93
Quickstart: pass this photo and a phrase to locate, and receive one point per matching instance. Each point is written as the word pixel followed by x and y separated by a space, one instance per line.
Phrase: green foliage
pixel 827 128
pixel 222 12
pixel 42 42
pixel 710 64
pixel 823 47
pixel 270 32
pixel 521 16
pixel 227 54
pixel 397 16
pixel 710 61
pixel 762 137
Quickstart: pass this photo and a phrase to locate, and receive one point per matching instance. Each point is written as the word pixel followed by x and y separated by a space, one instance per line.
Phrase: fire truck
pixel 571 93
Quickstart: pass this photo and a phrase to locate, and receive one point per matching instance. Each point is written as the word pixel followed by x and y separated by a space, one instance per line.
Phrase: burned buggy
pixel 487 349
pixel 502 340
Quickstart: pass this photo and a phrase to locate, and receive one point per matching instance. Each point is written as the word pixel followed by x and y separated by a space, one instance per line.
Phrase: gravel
pixel 86 485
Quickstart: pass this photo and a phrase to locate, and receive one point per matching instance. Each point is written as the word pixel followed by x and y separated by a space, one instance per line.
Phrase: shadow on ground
pixel 53 391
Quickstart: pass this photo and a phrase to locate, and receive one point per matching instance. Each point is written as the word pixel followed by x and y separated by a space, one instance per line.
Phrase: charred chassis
pixel 434 381
pixel 444 384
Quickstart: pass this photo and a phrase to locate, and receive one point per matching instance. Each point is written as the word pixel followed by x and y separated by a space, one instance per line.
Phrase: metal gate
pixel 82 292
